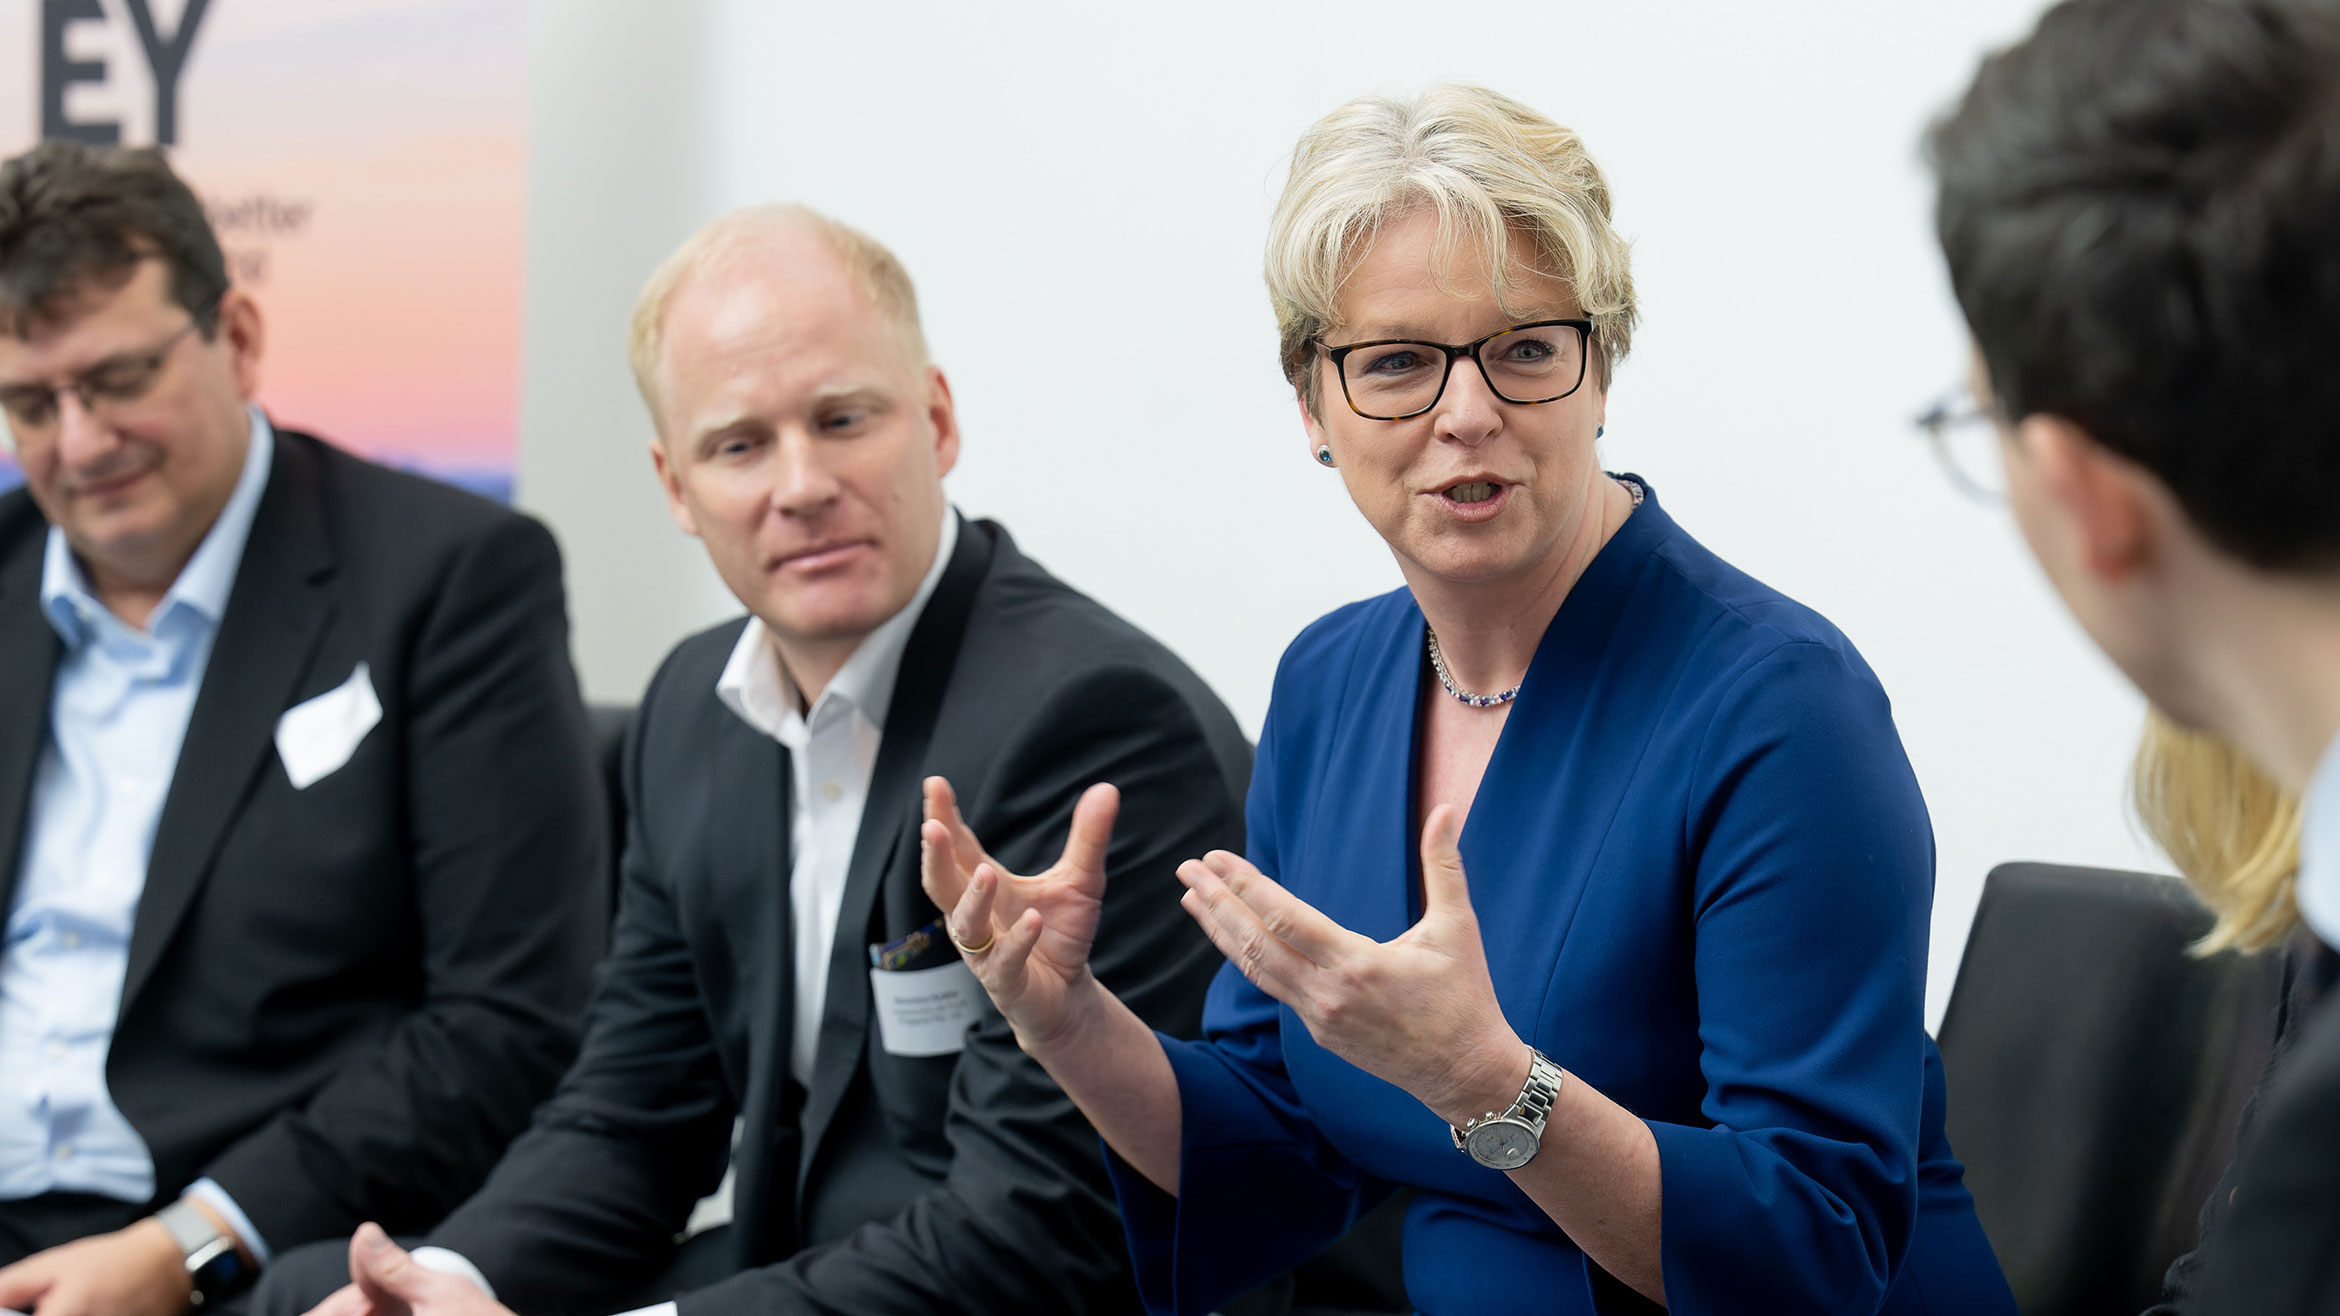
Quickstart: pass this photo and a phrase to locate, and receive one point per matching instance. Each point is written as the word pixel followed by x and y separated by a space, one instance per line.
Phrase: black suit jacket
pixel 2272 1246
pixel 342 1002
pixel 957 1183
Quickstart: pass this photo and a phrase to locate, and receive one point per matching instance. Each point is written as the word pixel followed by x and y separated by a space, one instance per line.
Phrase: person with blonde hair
pixel 2233 833
pixel 2230 829
pixel 779 995
pixel 1665 1044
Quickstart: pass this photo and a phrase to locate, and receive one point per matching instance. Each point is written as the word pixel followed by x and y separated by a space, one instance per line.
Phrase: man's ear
pixel 2105 498
pixel 945 416
pixel 246 332
pixel 670 480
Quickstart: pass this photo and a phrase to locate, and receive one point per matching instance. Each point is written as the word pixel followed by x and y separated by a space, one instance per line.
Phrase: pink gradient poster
pixel 364 162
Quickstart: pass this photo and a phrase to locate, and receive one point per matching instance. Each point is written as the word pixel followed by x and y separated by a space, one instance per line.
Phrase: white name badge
pixel 925 1012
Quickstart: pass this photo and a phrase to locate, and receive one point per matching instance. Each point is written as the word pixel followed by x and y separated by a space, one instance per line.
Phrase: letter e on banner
pixel 165 60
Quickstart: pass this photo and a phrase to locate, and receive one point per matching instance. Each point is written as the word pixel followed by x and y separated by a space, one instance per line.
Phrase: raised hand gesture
pixel 1026 938
pixel 1418 1011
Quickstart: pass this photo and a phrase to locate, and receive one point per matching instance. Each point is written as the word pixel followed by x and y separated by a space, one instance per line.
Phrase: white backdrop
pixel 1075 186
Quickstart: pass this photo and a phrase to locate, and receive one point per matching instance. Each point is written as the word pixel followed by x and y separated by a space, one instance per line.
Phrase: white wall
pixel 1080 189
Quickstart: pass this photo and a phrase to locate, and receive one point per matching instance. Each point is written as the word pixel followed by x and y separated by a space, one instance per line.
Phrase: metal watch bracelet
pixel 214 1267
pixel 1528 1114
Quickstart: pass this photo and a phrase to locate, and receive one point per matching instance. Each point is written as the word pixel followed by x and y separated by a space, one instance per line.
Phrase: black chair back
pixel 2096 1072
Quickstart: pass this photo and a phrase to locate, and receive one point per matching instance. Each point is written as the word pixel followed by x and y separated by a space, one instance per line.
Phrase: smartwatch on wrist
pixel 215 1268
pixel 1509 1139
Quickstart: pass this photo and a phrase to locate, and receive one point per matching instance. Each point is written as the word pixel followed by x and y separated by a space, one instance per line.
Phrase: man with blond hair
pixel 775 962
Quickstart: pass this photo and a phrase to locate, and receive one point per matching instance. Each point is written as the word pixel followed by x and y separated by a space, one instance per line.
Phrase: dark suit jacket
pixel 2272 1241
pixel 343 1001
pixel 958 1183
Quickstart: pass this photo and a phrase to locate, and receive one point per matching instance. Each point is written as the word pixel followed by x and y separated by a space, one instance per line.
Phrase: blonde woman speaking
pixel 1663 1045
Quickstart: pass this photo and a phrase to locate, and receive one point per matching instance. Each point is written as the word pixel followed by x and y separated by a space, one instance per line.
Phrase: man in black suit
pixel 301 858
pixel 2141 209
pixel 776 961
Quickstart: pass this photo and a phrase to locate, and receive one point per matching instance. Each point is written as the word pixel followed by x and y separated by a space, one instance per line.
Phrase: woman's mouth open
pixel 1473 500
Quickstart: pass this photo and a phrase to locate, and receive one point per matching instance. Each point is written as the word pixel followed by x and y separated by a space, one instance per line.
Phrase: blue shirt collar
pixel 203 584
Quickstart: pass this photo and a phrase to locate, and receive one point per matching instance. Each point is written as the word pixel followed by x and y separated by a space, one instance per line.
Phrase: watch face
pixel 1503 1144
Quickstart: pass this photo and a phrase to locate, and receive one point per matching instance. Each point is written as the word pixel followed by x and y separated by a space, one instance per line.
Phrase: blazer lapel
pixel 759 904
pixel 28 664
pixel 893 813
pixel 276 613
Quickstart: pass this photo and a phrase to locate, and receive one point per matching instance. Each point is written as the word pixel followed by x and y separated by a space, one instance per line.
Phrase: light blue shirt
pixel 118 710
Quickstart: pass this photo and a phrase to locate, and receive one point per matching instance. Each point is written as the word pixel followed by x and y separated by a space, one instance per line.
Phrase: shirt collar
pixel 757 688
pixel 2319 850
pixel 203 584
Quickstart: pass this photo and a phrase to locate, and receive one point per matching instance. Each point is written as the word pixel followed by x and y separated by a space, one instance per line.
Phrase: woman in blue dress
pixel 1663 1045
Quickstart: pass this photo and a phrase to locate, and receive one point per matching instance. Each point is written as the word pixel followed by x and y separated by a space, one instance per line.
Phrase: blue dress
pixel 1703 874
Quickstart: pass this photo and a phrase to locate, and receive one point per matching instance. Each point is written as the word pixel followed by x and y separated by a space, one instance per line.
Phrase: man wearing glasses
pixel 302 859
pixel 2140 209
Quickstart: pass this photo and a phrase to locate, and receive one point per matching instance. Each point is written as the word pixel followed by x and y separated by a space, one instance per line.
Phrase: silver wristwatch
pixel 214 1268
pixel 1507 1140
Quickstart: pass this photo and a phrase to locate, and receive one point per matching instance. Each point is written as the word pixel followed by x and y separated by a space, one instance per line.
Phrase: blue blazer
pixel 1703 873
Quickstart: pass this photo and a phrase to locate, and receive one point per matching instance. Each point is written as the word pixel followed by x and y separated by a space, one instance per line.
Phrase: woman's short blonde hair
pixel 1488 165
pixel 2229 828
pixel 873 269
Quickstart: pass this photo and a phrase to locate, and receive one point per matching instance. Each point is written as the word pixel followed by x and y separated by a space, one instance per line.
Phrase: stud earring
pixel 1599 430
pixel 1324 454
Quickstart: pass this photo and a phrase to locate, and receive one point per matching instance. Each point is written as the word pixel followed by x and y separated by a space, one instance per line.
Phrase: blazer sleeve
pixel 507 849
pixel 592 1196
pixel 1812 883
pixel 2276 1249
pixel 1260 1189
pixel 1024 1220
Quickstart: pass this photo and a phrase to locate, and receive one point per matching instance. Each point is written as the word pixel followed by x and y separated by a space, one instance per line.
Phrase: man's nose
pixel 804 483
pixel 83 438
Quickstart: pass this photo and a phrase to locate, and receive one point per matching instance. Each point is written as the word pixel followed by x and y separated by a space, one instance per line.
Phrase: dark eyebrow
pixel 105 363
pixel 99 366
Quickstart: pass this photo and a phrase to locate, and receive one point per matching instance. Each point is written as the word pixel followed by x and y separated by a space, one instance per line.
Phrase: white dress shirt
pixel 2319 850
pixel 118 710
pixel 832 753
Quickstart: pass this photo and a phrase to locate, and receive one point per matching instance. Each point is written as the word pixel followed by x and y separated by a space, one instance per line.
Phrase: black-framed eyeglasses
pixel 1400 378
pixel 115 382
pixel 1964 434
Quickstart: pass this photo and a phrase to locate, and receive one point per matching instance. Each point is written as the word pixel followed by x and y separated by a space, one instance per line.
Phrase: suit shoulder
pixel 1027 627
pixel 374 498
pixel 20 521
pixel 691 668
pixel 1039 647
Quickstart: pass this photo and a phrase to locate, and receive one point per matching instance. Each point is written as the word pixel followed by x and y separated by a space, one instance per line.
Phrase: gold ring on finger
pixel 964 948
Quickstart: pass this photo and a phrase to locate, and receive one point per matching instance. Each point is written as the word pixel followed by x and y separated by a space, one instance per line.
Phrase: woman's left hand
pixel 1418 1011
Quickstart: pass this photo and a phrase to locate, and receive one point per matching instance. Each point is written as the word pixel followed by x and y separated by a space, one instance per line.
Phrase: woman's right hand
pixel 1026 938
